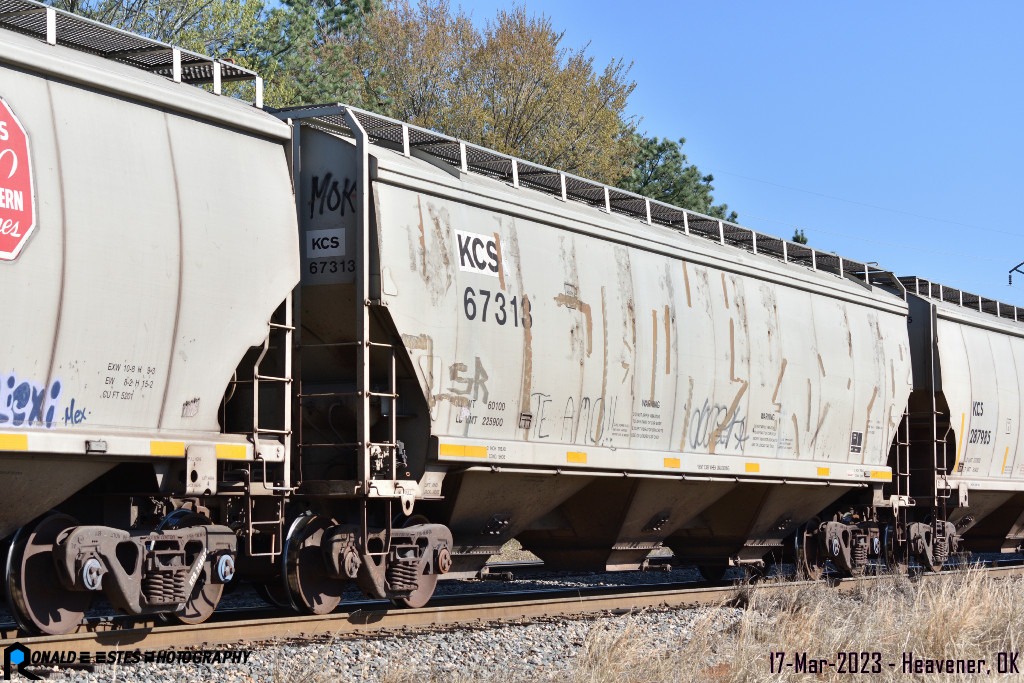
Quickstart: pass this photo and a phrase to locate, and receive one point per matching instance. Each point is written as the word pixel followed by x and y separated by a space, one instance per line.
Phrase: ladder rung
pixel 274 431
pixel 279 326
pixel 335 394
pixel 376 393
pixel 269 378
pixel 327 345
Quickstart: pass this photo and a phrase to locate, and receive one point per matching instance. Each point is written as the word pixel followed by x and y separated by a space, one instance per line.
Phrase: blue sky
pixel 889 132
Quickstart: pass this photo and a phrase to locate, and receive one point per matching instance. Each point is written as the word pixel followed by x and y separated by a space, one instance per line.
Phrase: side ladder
pixel 271 521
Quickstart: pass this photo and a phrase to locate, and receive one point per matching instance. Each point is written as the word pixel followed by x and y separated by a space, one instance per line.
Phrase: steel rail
pixel 468 611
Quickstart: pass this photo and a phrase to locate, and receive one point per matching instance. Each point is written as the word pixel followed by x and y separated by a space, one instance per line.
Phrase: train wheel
pixel 421 596
pixel 206 594
pixel 810 561
pixel 426 582
pixel 38 600
pixel 311 589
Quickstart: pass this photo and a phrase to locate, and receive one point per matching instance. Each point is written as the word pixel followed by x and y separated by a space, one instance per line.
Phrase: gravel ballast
pixel 538 650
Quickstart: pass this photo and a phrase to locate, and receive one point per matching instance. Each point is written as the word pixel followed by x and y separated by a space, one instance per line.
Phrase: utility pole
pixel 1017 269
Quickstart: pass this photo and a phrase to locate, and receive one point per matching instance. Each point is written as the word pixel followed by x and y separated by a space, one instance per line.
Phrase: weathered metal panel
pixel 833 350
pixel 980 384
pixel 238 259
pixel 767 428
pixel 696 389
pixel 873 380
pixel 1015 461
pixel 628 350
pixel 151 270
pixel 119 258
pixel 1004 437
pixel 327 209
pixel 32 310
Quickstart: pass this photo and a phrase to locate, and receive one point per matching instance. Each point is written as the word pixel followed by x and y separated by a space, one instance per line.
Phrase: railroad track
pixel 258 625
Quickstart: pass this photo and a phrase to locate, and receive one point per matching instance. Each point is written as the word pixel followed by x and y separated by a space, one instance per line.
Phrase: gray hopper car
pixel 592 385
pixel 325 347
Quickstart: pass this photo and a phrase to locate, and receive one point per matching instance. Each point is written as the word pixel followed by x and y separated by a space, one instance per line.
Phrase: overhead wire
pixel 895 245
pixel 872 241
pixel 870 206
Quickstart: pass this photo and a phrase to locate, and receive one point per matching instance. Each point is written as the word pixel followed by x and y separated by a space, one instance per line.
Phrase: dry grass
pixel 961 616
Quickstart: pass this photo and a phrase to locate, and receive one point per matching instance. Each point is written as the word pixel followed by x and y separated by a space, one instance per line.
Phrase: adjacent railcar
pixel 138 271
pixel 966 412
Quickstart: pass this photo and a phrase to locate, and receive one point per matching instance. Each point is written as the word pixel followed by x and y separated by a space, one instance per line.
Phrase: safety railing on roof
pixel 58 27
pixel 951 295
pixel 468 157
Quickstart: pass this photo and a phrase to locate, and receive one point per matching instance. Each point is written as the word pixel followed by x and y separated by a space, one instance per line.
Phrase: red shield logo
pixel 17 205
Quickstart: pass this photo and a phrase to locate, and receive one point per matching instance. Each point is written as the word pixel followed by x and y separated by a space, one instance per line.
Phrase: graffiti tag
pixel 706 419
pixel 25 403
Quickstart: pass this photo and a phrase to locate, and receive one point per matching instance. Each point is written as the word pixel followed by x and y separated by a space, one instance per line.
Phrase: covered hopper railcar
pixel 965 414
pixel 326 346
pixel 137 273
pixel 590 384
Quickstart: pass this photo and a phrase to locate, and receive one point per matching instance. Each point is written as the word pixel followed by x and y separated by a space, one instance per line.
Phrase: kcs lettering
pixel 478 253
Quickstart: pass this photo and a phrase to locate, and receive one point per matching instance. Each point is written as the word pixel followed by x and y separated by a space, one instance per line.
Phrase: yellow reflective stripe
pixel 671 462
pixel 753 467
pixel 1004 460
pixel 13 442
pixel 824 471
pixel 881 474
pixel 572 456
pixel 167 448
pixel 231 451
pixel 450 450
pixel 447 449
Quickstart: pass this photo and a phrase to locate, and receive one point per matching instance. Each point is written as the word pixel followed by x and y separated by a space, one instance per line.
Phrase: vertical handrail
pixel 394 415
pixel 939 465
pixel 903 473
pixel 295 160
pixel 256 396
pixel 362 301
pixel 289 328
